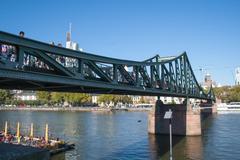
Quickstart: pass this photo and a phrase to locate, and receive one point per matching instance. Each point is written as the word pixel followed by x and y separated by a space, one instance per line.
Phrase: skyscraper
pixel 208 82
pixel 237 76
pixel 69 33
pixel 69 43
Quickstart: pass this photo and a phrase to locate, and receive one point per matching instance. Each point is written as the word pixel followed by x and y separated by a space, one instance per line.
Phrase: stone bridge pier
pixel 186 120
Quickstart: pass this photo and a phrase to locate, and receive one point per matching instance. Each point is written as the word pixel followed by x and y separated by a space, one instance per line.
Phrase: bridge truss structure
pixel 28 64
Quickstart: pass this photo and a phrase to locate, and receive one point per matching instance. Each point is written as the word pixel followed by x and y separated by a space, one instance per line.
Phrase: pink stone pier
pixel 186 121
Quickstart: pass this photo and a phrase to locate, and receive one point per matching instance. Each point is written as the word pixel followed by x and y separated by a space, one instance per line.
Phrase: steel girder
pixel 41 66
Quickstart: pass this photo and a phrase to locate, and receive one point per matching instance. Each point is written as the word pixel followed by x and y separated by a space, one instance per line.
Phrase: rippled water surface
pixel 119 135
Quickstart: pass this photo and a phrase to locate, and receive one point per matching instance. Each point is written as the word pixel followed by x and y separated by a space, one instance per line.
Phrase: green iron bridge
pixel 28 64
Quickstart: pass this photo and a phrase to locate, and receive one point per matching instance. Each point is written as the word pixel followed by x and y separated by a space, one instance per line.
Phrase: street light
pixel 168 115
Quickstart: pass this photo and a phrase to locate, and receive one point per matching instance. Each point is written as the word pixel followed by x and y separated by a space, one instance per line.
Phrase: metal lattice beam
pixel 41 66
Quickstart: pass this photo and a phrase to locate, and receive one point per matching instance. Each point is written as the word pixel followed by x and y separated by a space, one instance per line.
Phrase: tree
pixel 44 97
pixel 142 100
pixel 77 98
pixel 227 93
pixel 106 98
pixel 123 99
pixel 61 97
pixel 57 97
pixel 235 94
pixel 5 96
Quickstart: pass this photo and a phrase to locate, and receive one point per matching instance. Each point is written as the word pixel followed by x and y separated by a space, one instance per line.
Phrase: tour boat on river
pixel 233 106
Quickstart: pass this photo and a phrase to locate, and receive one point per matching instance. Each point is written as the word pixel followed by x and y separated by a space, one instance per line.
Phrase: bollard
pixel 18 132
pixel 6 129
pixel 31 131
pixel 46 133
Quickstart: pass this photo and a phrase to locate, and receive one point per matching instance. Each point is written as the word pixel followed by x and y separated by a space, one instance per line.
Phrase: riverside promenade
pixel 73 109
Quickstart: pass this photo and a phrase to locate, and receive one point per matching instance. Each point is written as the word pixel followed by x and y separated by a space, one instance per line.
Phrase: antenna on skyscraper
pixel 70 29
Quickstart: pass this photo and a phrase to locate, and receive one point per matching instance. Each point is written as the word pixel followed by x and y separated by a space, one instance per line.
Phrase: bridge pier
pixel 208 109
pixel 186 120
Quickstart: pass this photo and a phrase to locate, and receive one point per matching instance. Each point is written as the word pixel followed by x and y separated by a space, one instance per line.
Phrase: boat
pixel 232 106
pixel 62 148
pixel 53 145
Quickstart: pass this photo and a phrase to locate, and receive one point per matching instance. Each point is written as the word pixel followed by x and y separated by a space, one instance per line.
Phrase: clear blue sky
pixel 209 31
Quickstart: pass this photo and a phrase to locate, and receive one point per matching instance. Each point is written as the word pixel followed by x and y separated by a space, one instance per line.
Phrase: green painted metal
pixel 41 66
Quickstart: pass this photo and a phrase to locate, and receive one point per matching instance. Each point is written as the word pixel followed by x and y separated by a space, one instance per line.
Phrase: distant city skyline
pixel 136 30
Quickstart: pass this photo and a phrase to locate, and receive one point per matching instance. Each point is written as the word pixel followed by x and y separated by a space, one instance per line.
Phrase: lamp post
pixel 168 115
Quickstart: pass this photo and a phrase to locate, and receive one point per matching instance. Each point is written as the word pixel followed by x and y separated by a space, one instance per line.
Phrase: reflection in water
pixel 190 147
pixel 193 147
pixel 60 156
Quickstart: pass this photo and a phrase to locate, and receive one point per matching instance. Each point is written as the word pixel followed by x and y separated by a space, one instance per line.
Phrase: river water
pixel 121 136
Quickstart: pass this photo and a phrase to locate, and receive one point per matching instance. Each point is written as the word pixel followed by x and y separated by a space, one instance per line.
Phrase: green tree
pixel 122 99
pixel 234 94
pixel 227 93
pixel 106 99
pixel 57 97
pixel 61 97
pixel 142 100
pixel 77 98
pixel 44 97
pixel 5 96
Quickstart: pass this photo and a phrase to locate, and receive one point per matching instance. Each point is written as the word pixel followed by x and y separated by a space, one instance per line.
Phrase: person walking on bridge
pixel 21 34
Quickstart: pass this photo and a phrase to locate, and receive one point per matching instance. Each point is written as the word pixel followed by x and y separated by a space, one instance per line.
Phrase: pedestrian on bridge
pixel 21 34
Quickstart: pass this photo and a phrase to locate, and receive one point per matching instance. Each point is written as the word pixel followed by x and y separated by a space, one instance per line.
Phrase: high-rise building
pixel 69 43
pixel 71 62
pixel 208 82
pixel 237 76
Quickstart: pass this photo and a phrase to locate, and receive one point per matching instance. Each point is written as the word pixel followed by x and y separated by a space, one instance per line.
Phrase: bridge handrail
pixel 34 44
